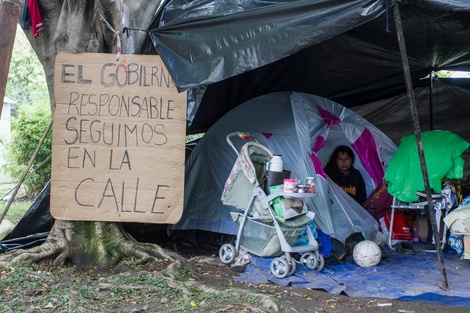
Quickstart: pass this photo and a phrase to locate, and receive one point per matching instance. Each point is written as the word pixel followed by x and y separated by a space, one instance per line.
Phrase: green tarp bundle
pixel 443 155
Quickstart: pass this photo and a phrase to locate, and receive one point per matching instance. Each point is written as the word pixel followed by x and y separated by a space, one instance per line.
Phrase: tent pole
pixel 414 114
pixel 431 113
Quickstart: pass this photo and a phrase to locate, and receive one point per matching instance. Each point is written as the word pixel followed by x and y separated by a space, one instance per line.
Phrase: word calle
pixel 122 195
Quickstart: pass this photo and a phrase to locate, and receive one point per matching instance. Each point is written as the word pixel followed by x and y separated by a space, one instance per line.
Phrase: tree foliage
pixel 26 80
pixel 27 130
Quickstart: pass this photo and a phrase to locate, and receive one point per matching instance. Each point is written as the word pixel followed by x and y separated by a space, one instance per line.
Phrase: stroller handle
pixel 242 135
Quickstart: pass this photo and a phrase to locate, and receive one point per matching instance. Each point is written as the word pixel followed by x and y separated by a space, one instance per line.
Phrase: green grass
pixel 18 207
pixel 16 210
pixel 43 288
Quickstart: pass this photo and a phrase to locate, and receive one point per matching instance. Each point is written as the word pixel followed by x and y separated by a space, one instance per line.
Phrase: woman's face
pixel 343 162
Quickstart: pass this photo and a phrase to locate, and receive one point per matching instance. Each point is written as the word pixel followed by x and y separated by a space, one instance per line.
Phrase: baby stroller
pixel 261 232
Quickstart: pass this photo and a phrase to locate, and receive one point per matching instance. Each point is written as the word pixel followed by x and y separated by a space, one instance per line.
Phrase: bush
pixel 27 130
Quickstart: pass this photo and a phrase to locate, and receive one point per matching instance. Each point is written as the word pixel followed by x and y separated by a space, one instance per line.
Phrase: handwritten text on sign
pixel 118 140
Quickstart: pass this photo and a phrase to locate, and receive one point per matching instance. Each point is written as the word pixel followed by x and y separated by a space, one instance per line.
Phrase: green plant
pixel 27 130
pixel 16 210
pixel 193 137
pixel 26 79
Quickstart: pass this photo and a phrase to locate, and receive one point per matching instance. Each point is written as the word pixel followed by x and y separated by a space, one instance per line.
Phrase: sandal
pixel 405 248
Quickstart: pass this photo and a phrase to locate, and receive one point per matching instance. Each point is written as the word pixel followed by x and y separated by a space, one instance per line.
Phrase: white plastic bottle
pixel 276 164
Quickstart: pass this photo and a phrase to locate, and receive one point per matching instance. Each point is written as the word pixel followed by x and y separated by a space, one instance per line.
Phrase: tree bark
pixel 88 26
pixel 8 21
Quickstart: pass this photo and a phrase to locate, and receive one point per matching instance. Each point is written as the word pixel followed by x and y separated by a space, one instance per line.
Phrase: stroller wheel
pixel 309 260
pixel 321 261
pixel 292 265
pixel 227 253
pixel 279 267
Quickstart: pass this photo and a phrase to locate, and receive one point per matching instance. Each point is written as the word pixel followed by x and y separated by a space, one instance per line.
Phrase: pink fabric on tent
pixel 319 143
pixel 366 148
pixel 267 135
pixel 317 166
pixel 328 118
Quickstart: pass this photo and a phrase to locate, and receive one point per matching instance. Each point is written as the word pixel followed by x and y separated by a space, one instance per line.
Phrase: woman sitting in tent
pixel 341 170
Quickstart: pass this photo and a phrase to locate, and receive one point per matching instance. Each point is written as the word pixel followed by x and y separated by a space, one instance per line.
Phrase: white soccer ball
pixel 367 253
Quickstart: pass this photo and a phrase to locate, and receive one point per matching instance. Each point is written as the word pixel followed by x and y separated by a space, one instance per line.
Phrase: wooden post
pixel 9 14
pixel 414 114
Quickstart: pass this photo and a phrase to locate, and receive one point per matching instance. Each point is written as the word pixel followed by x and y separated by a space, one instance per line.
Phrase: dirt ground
pixel 206 269
pixel 295 300
pixel 210 287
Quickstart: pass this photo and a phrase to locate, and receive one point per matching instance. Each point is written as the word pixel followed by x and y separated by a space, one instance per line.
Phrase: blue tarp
pixel 400 277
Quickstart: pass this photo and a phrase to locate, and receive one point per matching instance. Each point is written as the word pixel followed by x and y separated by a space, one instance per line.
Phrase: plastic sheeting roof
pixel 447 109
pixel 226 52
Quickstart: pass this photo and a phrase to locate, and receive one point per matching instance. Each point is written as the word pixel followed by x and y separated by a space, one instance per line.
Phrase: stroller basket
pixel 261 239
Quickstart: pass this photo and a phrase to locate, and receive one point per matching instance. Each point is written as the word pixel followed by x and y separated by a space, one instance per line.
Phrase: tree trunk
pixel 88 26
pixel 8 22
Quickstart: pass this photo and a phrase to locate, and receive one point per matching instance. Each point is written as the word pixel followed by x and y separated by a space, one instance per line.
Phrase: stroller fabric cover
pixel 247 172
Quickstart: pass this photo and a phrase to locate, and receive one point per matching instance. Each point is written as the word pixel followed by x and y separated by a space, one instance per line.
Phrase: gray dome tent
pixel 304 129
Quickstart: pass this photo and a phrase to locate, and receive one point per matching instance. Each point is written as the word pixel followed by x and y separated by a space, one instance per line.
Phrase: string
pixel 118 39
pixel 125 30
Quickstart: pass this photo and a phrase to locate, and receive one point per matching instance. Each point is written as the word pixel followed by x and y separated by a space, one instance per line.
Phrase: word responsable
pixel 124 77
pixel 89 113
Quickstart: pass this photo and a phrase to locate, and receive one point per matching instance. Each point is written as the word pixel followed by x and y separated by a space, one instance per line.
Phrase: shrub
pixel 27 130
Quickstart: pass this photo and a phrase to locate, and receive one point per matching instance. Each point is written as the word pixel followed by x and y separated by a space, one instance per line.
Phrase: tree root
pixel 72 304
pixel 54 248
pixel 69 241
pixel 266 301
pixel 66 242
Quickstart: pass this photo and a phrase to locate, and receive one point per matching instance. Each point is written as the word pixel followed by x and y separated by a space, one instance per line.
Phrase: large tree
pixel 76 26
pixel 88 26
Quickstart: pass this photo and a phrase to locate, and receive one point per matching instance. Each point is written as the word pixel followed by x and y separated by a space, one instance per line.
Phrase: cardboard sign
pixel 118 140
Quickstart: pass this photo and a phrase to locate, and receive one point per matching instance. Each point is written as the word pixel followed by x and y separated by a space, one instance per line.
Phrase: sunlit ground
pixel 457 74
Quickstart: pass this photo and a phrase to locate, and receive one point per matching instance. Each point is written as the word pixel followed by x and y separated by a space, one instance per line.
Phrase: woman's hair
pixel 334 155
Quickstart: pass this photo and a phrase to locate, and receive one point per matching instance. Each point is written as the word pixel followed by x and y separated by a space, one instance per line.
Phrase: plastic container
pixel 310 181
pixel 289 185
pixel 276 164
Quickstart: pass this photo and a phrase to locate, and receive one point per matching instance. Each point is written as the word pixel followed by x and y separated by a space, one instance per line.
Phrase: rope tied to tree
pixel 125 30
pixel 117 33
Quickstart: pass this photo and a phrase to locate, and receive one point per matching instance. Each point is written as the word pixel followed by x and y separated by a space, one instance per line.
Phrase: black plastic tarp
pixel 33 228
pixel 441 103
pixel 226 52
